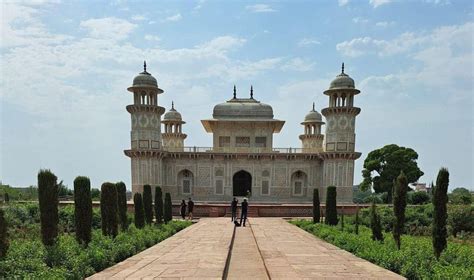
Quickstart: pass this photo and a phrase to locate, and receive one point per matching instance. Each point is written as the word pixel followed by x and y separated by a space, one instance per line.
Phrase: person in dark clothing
pixel 190 208
pixel 183 209
pixel 245 208
pixel 233 207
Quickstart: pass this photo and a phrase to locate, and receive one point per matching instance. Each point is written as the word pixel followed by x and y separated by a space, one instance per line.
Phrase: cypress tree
pixel 357 220
pixel 331 207
pixel 158 205
pixel 440 199
pixel 316 206
pixel 108 209
pixel 48 205
pixel 399 205
pixel 83 209
pixel 375 224
pixel 7 198
pixel 3 235
pixel 342 218
pixel 122 204
pixel 139 212
pixel 168 210
pixel 148 204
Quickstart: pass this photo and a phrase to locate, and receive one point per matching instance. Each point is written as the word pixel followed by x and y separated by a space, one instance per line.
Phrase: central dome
pixel 243 108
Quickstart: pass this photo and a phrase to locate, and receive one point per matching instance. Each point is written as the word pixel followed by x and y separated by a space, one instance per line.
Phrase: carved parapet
pixel 337 110
pixel 145 108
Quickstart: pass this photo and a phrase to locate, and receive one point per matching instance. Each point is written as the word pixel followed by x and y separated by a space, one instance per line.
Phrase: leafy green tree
pixel 399 205
pixel 158 205
pixel 6 197
pixel 122 204
pixel 461 218
pixel 109 209
pixel 375 224
pixel 148 204
pixel 64 191
pixel 418 198
pixel 3 235
pixel 440 215
pixel 48 204
pixel 460 196
pixel 387 163
pixel 83 209
pixel 139 211
pixel 95 194
pixel 331 206
pixel 316 206
pixel 168 209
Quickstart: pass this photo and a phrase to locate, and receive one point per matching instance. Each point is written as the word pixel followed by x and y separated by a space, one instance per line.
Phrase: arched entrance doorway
pixel 242 183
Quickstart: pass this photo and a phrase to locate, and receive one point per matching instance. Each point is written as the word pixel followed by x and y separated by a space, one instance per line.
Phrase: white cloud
pixel 298 64
pixel 260 8
pixel 377 3
pixel 149 37
pixel 176 17
pixel 384 24
pixel 139 17
pixel 360 20
pixel 308 42
pixel 342 2
pixel 108 28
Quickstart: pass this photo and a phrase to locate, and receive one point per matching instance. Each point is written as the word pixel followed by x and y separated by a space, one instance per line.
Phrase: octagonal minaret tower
pixel 339 151
pixel 145 135
pixel 312 139
pixel 173 136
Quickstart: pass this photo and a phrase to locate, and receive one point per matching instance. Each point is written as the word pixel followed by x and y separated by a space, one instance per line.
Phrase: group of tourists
pixel 243 214
pixel 190 208
pixel 234 206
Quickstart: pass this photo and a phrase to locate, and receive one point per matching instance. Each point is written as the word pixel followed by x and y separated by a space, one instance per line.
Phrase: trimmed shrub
pixel 158 205
pixel 139 212
pixel 375 224
pixel 108 209
pixel 331 207
pixel 168 215
pixel 399 205
pixel 122 204
pixel 316 206
pixel 48 204
pixel 3 235
pixel 440 215
pixel 148 204
pixel 82 209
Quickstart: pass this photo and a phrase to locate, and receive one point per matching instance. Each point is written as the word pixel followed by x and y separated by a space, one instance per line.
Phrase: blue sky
pixel 65 67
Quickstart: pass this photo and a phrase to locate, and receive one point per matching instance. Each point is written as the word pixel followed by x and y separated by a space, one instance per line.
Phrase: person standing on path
pixel 245 208
pixel 183 209
pixel 190 208
pixel 233 207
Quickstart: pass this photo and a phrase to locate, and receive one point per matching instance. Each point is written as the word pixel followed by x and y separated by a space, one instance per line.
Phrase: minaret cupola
pixel 312 139
pixel 173 136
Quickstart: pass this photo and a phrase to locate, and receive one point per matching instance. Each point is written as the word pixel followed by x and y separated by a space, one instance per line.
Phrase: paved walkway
pixel 199 251
pixel 270 248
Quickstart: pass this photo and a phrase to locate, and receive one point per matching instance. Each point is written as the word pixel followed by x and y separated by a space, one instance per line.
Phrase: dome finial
pixel 172 105
pixel 313 107
pixel 342 68
pixel 235 93
pixel 251 92
pixel 144 66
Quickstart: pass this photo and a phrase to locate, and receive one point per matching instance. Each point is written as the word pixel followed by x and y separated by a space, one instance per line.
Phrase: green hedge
pixel 26 258
pixel 415 260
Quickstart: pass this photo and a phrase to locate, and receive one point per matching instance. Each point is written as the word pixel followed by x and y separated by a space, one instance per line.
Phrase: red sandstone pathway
pixel 270 248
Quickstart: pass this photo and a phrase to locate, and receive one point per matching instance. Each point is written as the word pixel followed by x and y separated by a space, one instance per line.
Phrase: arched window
pixel 186 181
pixel 299 183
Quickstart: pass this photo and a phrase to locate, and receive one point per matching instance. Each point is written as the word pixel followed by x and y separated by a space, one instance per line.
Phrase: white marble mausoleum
pixel 242 159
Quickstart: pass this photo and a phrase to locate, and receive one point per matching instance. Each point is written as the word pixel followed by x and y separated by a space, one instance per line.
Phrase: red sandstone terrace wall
pixel 255 210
